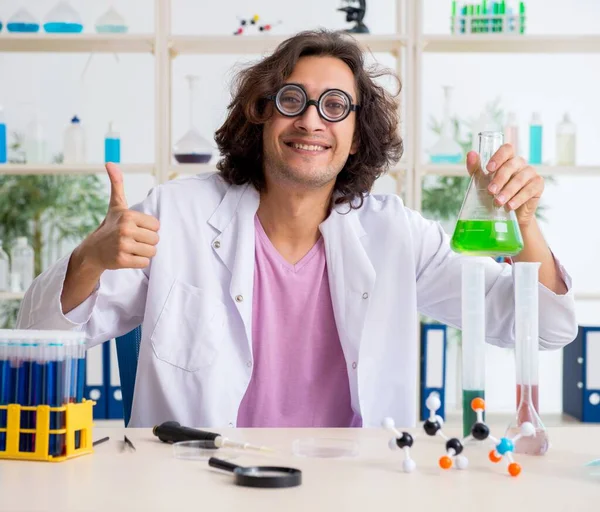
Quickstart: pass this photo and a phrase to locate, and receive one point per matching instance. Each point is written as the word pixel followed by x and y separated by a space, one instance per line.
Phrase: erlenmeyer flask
pixel 526 345
pixel 22 21
pixel 484 229
pixel 63 18
pixel 111 22
pixel 446 150
pixel 192 148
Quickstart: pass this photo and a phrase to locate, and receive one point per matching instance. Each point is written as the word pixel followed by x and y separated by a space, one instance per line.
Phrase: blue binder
pixel 581 376
pixel 113 383
pixel 102 382
pixel 433 366
pixel 94 388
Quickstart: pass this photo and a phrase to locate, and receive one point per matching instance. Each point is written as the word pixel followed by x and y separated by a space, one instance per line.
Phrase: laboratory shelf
pixel 591 296
pixel 11 295
pixel 60 169
pixel 77 43
pixel 510 43
pixel 187 169
pixel 544 170
pixel 238 45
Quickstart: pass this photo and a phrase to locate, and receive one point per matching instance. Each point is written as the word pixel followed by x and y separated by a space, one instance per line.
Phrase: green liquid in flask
pixel 487 238
pixel 469 415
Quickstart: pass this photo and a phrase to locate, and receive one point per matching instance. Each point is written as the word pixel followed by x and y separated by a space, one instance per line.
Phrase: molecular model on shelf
pixel 503 447
pixel 253 22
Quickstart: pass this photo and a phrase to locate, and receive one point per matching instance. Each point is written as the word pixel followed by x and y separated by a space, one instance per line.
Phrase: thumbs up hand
pixel 125 238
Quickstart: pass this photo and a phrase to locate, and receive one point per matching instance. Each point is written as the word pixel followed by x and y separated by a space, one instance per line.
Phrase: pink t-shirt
pixel 300 377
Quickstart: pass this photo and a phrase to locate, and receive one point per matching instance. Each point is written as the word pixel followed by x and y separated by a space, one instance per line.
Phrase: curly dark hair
pixel 379 144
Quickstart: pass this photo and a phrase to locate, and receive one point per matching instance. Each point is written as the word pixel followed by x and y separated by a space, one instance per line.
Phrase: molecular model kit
pixel 455 447
pixel 252 24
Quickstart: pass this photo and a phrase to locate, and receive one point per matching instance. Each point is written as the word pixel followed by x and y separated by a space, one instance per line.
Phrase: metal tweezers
pixel 127 444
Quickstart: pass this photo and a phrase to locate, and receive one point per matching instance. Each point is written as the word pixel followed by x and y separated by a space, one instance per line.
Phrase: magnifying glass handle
pixel 222 464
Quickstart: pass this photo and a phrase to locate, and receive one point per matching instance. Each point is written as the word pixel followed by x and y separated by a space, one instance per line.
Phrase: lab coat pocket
pixel 189 328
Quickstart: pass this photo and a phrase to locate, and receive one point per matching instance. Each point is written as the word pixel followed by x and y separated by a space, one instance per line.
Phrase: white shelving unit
pixel 64 169
pixel 76 43
pixel 408 45
pixel 11 295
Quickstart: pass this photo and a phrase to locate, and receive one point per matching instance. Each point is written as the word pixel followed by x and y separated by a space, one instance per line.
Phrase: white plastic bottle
pixel 22 267
pixel 74 151
pixel 565 141
pixel 36 146
pixel 4 270
pixel 511 132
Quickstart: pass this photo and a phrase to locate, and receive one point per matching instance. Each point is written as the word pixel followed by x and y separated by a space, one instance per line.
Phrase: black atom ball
pixel 431 427
pixel 405 440
pixel 480 431
pixel 455 445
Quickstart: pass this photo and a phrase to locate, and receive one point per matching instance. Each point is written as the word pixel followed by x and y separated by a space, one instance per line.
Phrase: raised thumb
pixel 117 191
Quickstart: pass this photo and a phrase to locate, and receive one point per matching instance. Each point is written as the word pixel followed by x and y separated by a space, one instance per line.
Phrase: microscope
pixel 355 11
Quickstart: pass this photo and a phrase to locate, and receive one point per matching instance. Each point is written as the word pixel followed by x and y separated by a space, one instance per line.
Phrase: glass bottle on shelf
pixel 565 141
pixel 22 269
pixel 22 21
pixel 192 148
pixel 63 18
pixel 4 270
pixel 111 22
pixel 446 150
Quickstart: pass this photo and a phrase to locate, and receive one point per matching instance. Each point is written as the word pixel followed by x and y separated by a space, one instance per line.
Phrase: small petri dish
pixel 325 448
pixel 201 450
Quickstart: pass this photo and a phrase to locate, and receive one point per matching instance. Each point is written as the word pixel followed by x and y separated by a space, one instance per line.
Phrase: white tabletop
pixel 152 479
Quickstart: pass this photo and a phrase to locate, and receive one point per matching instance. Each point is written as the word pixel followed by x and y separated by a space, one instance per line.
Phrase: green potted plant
pixel 51 211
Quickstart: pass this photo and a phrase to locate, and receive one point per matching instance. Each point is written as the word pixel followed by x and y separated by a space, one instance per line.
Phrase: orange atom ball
pixel 514 469
pixel 445 462
pixel 478 403
pixel 494 457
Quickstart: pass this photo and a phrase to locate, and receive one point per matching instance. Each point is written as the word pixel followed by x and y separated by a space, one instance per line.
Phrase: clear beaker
pixel 192 148
pixel 526 357
pixel 473 338
pixel 22 21
pixel 63 18
pixel 446 150
pixel 482 228
pixel 111 22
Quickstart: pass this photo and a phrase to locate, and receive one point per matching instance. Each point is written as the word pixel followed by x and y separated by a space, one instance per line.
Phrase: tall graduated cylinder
pixel 473 338
pixel 527 364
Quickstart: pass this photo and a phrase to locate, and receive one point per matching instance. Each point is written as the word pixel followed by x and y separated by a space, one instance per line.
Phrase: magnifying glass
pixel 260 476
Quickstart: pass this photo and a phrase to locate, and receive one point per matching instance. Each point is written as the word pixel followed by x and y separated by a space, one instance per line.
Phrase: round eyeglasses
pixel 334 105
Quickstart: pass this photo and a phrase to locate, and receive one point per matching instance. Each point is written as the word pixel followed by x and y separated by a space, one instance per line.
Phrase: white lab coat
pixel 386 263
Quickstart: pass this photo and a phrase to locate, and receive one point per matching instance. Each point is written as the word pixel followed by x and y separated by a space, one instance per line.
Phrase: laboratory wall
pixel 103 88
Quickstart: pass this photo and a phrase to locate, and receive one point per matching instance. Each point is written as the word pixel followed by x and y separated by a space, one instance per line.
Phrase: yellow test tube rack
pixel 78 418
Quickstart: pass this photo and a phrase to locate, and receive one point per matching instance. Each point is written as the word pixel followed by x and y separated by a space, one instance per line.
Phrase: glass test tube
pixel 473 339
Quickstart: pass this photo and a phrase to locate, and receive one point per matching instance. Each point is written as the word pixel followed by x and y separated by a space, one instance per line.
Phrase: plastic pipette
pixel 173 432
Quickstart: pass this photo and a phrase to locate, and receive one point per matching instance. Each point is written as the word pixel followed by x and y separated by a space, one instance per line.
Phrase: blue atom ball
pixel 504 446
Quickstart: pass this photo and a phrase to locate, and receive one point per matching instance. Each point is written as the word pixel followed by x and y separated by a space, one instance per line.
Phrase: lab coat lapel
pixel 234 245
pixel 351 276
